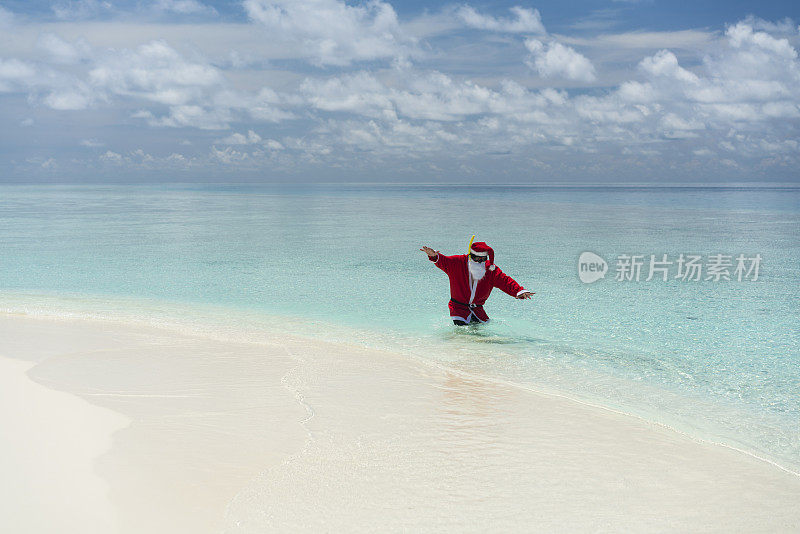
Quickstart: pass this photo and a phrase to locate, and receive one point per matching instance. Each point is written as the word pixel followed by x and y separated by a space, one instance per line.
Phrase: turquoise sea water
pixel 717 359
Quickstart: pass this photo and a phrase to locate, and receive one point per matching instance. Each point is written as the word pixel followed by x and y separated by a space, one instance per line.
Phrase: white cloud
pixel 250 138
pixel 229 155
pixel 553 59
pixel 742 34
pixel 637 92
pixel 61 51
pixel 666 102
pixel 665 64
pixel 671 121
pixel 785 109
pixel 67 100
pixel 56 89
pixel 754 55
pixel 753 78
pixel 112 157
pixel 14 72
pixel 785 26
pixel 421 96
pixel 156 72
pixel 436 96
pixel 92 143
pixel 360 93
pixel 736 92
pixel 264 106
pixel 193 116
pixel 526 21
pixel 49 164
pixel 139 159
pixel 331 32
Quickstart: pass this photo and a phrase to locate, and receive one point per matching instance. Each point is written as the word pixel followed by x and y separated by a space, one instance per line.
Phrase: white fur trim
pixel 472 288
pixel 521 291
pixel 460 318
pixel 478 253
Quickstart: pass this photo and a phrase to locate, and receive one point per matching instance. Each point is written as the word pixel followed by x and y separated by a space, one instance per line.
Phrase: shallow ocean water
pixel 719 360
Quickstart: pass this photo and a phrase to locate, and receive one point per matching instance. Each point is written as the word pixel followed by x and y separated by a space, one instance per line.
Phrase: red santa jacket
pixel 462 295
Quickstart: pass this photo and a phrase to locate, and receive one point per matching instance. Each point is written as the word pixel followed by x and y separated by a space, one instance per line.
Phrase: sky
pixel 586 91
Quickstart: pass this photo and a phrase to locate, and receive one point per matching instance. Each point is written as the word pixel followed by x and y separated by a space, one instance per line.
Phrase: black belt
pixel 470 306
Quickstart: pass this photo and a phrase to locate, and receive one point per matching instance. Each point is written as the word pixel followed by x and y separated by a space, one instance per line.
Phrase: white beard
pixel 477 270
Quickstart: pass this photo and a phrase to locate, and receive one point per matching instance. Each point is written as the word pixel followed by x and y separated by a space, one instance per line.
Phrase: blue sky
pixel 325 90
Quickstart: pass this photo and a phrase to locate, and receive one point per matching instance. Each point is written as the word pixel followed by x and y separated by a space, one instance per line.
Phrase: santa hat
pixel 482 249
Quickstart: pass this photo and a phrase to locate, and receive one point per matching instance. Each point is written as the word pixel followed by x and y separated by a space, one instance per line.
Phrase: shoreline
pixel 215 324
pixel 599 406
pixel 528 442
pixel 340 414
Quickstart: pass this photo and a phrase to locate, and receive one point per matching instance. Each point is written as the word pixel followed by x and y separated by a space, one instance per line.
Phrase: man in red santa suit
pixel 472 278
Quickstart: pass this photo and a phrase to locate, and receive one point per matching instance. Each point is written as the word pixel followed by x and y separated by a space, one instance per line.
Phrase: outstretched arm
pixel 508 285
pixel 443 262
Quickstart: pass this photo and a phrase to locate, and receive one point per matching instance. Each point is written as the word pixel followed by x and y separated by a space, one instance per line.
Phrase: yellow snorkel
pixel 469 248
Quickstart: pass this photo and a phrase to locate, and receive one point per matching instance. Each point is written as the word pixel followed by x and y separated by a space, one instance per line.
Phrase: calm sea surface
pixel 719 359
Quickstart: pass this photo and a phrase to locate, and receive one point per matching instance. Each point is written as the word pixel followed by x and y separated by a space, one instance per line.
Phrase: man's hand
pixel 525 295
pixel 429 251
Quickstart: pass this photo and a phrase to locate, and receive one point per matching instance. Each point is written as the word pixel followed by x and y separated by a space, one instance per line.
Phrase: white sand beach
pixel 113 427
pixel 50 441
